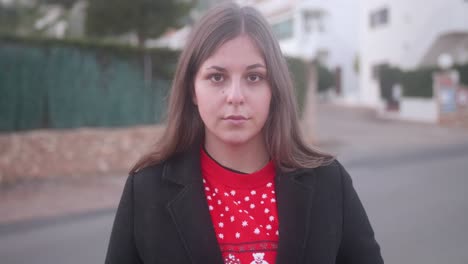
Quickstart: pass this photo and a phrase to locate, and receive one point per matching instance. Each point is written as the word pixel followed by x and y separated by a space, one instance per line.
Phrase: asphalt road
pixel 80 240
pixel 414 191
pixel 418 208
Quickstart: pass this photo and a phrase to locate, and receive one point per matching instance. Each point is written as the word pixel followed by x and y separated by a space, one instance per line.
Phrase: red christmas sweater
pixel 243 211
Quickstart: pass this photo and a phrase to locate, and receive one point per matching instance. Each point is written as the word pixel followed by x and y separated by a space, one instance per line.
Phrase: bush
pixel 298 70
pixel 463 73
pixel 415 83
pixel 418 83
pixel 388 77
pixel 326 78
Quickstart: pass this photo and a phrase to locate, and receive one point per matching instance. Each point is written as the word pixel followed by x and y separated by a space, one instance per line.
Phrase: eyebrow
pixel 253 66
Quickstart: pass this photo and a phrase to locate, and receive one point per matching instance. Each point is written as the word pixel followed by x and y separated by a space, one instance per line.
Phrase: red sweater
pixel 243 211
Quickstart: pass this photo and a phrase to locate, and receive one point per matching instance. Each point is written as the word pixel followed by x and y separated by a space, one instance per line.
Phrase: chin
pixel 235 139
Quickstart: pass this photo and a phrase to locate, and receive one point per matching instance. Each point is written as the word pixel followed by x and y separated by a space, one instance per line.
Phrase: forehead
pixel 240 51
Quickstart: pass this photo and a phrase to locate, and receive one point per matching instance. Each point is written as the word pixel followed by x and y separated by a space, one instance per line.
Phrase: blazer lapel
pixel 190 213
pixel 294 201
pixel 189 210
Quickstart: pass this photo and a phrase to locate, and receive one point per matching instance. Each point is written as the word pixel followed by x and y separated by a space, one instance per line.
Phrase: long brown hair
pixel 184 126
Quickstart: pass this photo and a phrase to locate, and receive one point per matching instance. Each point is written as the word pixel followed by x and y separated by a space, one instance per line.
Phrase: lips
pixel 236 117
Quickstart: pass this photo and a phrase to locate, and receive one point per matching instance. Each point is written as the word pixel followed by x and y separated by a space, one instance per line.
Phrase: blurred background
pixel 382 84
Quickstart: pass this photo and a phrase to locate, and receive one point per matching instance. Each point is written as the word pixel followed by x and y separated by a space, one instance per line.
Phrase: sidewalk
pixel 48 199
pixel 353 133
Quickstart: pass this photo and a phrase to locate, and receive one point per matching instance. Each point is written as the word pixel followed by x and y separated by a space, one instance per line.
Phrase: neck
pixel 248 157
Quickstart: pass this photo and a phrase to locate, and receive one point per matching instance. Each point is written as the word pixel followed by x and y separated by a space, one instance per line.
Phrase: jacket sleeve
pixel 358 244
pixel 122 248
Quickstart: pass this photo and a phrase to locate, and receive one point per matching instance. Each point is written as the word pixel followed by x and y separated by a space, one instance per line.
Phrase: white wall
pixel 413 27
pixel 419 109
pixel 340 38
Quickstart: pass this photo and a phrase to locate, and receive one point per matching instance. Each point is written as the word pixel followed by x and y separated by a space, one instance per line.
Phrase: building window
pixel 284 29
pixel 313 21
pixel 379 17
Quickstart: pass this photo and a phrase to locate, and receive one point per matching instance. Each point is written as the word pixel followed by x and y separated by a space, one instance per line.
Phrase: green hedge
pixel 415 83
pixel 388 77
pixel 418 83
pixel 326 79
pixel 298 70
pixel 463 73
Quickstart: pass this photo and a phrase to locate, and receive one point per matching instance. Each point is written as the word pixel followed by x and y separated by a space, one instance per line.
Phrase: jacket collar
pixel 189 210
pixel 294 200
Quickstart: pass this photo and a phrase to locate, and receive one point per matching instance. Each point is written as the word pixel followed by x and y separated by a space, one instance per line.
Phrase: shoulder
pixel 334 173
pixel 327 177
pixel 334 168
pixel 148 174
pixel 159 177
pixel 155 171
pixel 153 176
pixel 151 187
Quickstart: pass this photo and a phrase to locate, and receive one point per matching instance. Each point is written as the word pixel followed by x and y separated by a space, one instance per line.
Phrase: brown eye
pixel 217 78
pixel 254 78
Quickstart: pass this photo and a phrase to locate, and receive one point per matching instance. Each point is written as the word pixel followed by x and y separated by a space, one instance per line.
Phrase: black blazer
pixel 163 217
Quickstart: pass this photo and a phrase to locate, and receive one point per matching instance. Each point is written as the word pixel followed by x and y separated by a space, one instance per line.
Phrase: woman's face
pixel 232 92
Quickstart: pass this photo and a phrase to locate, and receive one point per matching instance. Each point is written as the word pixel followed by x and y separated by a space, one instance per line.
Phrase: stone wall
pixel 41 154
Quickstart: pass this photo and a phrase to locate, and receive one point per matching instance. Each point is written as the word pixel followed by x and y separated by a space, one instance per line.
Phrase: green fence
pixel 64 85
pixel 46 83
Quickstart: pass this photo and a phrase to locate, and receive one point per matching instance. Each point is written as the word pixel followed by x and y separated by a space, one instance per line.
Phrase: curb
pixel 28 225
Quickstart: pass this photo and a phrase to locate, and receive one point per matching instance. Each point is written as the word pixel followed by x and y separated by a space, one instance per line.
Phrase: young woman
pixel 231 180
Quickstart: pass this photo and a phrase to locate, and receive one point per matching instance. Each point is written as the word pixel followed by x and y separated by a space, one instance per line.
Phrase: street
pixel 410 177
pixel 418 209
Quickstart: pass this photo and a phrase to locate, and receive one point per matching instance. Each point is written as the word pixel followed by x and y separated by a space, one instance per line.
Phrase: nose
pixel 235 94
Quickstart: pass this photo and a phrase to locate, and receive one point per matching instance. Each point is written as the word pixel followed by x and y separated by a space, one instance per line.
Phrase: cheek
pixel 206 110
pixel 205 102
pixel 263 103
pixel 266 107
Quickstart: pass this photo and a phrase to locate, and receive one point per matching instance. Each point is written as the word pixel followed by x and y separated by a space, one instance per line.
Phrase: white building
pixel 409 35
pixel 307 29
pixel 323 30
